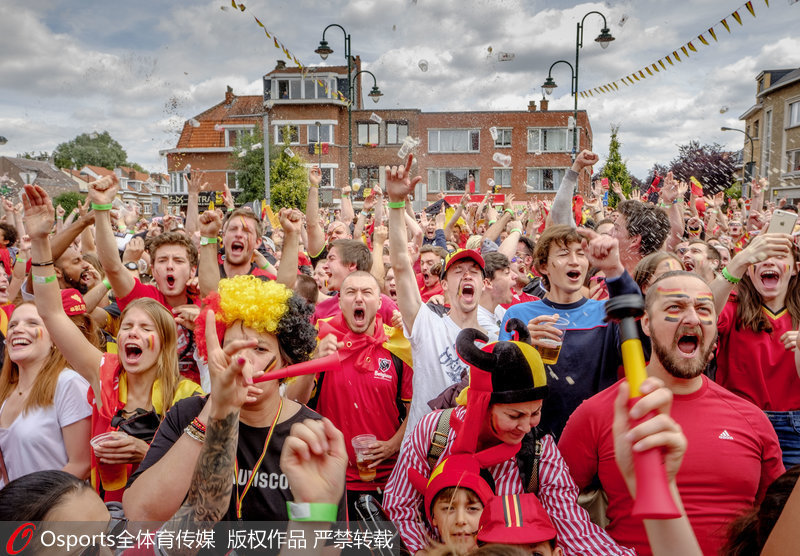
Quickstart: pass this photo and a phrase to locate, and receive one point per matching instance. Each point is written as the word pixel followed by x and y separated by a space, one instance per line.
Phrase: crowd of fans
pixel 455 366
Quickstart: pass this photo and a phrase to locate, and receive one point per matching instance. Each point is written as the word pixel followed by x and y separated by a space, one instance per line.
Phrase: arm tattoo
pixel 210 492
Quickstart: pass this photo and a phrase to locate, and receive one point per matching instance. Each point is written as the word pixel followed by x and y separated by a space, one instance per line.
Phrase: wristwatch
pixel 130 265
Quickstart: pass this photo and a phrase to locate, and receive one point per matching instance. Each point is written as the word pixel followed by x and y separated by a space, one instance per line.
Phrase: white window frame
pixel 766 145
pixel 502 171
pixel 399 136
pixel 499 143
pixel 537 139
pixel 793 161
pixel 313 128
pixel 793 113
pixel 370 127
pixel 436 176
pixel 539 189
pixel 434 140
pixel 279 128
pixel 239 130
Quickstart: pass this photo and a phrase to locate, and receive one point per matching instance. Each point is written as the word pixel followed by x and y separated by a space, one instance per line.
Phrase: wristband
pixel 102 206
pixel 44 279
pixel 509 211
pixel 265 267
pixel 106 283
pixel 131 231
pixel 396 204
pixel 21 260
pixel 208 240
pixel 730 277
pixel 231 209
pixel 515 230
pixel 46 263
pixel 193 433
pixel 492 222
pixel 312 512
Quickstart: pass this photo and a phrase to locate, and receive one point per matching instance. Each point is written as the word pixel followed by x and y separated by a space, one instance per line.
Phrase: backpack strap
pixel 533 483
pixel 398 369
pixel 439 437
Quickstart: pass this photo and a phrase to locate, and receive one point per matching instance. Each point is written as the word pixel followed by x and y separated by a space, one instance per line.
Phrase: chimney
pixel 543 104
pixel 532 106
pixel 229 95
pixel 280 65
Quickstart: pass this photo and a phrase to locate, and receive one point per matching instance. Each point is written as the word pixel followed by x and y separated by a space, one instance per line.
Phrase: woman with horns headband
pixel 501 405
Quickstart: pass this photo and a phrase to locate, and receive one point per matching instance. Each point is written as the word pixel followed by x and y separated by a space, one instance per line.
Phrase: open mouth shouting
pixel 359 317
pixel 132 352
pixel 466 291
pixel 237 248
pixel 170 279
pixel 688 342
pixel 574 276
pixel 770 278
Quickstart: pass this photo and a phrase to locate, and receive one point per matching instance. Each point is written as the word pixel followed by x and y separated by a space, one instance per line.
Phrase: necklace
pixel 255 467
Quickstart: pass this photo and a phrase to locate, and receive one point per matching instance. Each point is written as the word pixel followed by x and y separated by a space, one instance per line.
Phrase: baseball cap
pixel 460 255
pixel 515 519
pixel 72 301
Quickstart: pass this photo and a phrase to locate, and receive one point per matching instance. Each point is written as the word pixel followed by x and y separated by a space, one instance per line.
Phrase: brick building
pixel 452 148
pixel 774 124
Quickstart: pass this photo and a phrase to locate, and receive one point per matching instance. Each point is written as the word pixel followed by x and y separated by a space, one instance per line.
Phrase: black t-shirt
pixel 266 499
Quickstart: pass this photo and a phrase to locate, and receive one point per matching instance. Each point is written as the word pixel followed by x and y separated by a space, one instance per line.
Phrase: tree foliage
pixel 288 177
pixel 615 169
pixel 69 200
pixel 42 156
pixel 711 165
pixel 96 149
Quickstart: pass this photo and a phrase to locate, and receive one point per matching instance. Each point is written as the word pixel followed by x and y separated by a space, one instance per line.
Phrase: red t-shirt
pixel 755 365
pixel 427 293
pixel 362 398
pixel 732 457
pixel 186 362
pixel 328 308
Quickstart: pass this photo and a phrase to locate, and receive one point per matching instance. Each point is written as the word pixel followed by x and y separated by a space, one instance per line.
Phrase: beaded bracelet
pixel 196 423
pixel 192 433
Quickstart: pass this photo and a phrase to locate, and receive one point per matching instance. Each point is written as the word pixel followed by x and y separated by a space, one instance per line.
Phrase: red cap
pixel 460 255
pixel 515 519
pixel 460 470
pixel 73 302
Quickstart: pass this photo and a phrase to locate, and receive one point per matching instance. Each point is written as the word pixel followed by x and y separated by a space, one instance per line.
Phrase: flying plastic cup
pixel 502 159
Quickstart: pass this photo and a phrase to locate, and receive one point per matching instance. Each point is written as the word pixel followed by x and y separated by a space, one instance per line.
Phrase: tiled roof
pixel 311 71
pixel 46 173
pixel 787 77
pixel 237 112
pixel 99 170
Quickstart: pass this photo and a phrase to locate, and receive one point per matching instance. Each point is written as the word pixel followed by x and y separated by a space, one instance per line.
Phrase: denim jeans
pixel 787 426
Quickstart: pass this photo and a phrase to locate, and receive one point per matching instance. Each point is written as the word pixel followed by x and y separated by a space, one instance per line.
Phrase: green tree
pixel 615 169
pixel 288 176
pixel 69 200
pixel 97 149
pixel 43 156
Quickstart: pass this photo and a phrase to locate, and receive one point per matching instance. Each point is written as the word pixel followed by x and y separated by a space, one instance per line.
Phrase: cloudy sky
pixel 140 69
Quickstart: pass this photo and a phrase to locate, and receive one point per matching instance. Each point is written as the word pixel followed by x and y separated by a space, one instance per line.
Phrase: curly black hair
pixel 9 233
pixel 297 337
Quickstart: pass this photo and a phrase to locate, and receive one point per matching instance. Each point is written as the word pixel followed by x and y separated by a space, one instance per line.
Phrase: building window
pixel 502 177
pixel 370 179
pixel 755 130
pixel 794 161
pixel 234 135
pixel 454 140
pixel 766 146
pixel 794 114
pixel 450 179
pixel 327 177
pixel 396 132
pixel 545 180
pixel 232 181
pixel 290 131
pixel 298 88
pixel 325 134
pixel 367 134
pixel 551 140
pixel 503 137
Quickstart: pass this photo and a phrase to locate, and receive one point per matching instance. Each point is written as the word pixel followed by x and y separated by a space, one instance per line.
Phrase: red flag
pixel 325 148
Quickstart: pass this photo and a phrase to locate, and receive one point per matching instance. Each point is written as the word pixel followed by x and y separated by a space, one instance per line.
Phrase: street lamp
pixel 604 39
pixel 749 176
pixel 324 50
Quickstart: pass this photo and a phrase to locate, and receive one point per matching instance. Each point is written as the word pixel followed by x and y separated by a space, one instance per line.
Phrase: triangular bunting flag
pixel 648 71
pixel 661 63
pixel 275 41
pixel 641 74
pixel 712 33
pixel 685 52
pixel 749 6
pixel 702 39
pixel 636 77
pixel 691 46
pixel 655 67
pixel 737 17
pixel 767 3
pixel 233 4
pixel 675 53
pixel 725 24
pixel 258 21
pixel 669 60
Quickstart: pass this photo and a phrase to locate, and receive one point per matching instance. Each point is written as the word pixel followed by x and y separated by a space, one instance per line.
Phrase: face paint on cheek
pixel 151 341
pixel 706 322
pixel 39 334
pixel 671 319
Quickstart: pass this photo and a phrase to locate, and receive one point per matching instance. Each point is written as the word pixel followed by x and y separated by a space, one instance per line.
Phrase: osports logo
pixel 26 532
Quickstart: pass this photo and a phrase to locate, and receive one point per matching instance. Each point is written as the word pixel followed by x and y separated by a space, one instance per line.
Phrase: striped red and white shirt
pixel 558 493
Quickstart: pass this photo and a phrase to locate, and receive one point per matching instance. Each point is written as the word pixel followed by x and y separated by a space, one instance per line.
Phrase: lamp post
pixel 746 178
pixel 324 50
pixel 604 38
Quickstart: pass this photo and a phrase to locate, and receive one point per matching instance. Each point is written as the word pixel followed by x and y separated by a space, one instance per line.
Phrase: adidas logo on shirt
pixel 724 435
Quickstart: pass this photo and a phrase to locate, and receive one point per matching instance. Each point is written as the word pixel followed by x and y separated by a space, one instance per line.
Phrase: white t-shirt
pixel 33 442
pixel 436 363
pixel 489 322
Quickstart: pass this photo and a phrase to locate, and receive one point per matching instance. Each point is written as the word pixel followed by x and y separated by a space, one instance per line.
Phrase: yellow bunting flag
pixel 648 71
pixel 691 47
pixel 642 75
pixel 258 21
pixel 749 6
pixel 233 4
pixel 675 53
pixel 712 33
pixel 636 77
pixel 685 52
pixel 655 67
pixel 668 59
pixel 273 219
pixel 725 24
pixel 702 39
pixel 661 63
pixel 266 32
pixel 737 17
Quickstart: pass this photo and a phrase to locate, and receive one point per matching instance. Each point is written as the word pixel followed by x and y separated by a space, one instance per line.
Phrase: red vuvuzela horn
pixel 330 362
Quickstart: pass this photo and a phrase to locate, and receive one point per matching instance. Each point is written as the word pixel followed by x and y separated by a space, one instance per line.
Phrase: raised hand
pixel 586 159
pixel 602 252
pixel 291 220
pixel 195 182
pixel 210 223
pixel 399 183
pixel 314 460
pixel 39 212
pixel 315 176
pixel 103 191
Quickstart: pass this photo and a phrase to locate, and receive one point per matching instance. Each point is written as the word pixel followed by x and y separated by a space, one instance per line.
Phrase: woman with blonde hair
pixel 44 415
pixel 132 390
